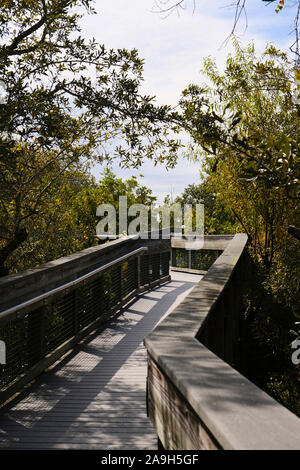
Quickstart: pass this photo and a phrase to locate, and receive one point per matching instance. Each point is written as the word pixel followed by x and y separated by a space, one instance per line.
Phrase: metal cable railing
pixel 38 331
pixel 200 260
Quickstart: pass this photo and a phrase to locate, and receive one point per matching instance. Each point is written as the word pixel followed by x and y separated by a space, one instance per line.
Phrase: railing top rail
pixel 75 258
pixel 19 287
pixel 68 285
pixel 208 242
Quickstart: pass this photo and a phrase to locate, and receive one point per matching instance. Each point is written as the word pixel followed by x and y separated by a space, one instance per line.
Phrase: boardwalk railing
pixel 197 261
pixel 45 311
pixel 196 398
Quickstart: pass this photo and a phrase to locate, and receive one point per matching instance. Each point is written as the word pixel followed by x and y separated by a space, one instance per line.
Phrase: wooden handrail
pixel 196 397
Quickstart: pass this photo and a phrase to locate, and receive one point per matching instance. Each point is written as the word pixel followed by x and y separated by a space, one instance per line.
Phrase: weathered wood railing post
pixel 36 335
pixel 76 311
pixel 173 257
pixel 138 273
pixel 120 284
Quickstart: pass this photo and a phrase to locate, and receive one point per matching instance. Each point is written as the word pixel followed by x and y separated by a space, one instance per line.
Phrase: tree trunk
pixel 19 237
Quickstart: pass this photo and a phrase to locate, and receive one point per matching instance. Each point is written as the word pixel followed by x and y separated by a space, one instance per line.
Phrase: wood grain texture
pixel 177 424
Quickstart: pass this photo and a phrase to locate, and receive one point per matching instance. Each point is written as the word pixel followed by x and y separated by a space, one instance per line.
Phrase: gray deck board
pixel 95 397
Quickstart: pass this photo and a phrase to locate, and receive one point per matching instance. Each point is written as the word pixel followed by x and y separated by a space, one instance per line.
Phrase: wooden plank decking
pixel 95 397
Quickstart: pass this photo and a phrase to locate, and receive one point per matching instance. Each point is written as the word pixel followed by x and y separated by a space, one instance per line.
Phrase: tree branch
pixel 12 48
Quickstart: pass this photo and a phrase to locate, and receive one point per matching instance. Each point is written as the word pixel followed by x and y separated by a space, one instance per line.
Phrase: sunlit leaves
pixel 246 127
pixel 279 6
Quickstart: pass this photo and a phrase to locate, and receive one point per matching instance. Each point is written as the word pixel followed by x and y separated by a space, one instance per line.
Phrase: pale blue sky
pixel 173 49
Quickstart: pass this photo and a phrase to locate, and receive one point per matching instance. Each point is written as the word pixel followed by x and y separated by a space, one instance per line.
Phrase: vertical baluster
pixel 76 312
pixel 120 296
pixel 101 297
pixel 138 273
pixel 36 335
pixel 173 257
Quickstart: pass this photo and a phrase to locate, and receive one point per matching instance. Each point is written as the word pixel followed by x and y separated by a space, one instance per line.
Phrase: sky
pixel 173 49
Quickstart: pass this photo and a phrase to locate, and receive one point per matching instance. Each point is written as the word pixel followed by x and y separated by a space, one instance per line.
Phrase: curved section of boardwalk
pixel 95 397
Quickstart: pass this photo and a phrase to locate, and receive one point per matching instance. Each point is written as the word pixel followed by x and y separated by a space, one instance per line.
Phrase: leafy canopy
pixel 246 127
pixel 63 100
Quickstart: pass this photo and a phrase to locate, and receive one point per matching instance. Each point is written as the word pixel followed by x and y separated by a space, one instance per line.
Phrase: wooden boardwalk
pixel 95 397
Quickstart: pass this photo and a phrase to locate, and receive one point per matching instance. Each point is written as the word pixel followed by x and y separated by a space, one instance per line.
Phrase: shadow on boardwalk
pixel 95 397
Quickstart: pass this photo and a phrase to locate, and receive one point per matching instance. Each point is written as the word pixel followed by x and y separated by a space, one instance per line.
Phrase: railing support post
pixel 173 257
pixel 36 335
pixel 138 273
pixel 76 305
pixel 120 283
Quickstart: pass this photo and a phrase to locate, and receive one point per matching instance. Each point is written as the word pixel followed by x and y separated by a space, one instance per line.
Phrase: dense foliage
pixel 218 218
pixel 62 99
pixel 245 127
pixel 66 220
